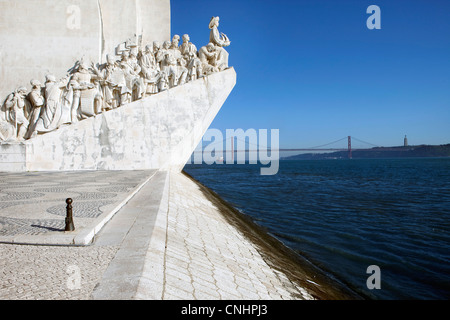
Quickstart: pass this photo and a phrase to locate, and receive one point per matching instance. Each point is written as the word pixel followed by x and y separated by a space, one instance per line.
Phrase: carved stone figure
pixel 134 62
pixel 87 98
pixel 50 115
pixel 171 69
pixel 216 37
pixel 149 71
pixel 66 103
pixel 182 71
pixel 166 57
pixel 175 42
pixel 133 56
pixel 163 83
pixel 37 101
pixel 17 112
pixel 7 129
pixel 187 47
pixel 131 70
pixel 207 56
pixel 195 67
pixel 190 54
pixel 162 54
pixel 112 79
pixel 177 64
pixel 218 60
pixel 156 47
pixel 148 61
pixel 220 40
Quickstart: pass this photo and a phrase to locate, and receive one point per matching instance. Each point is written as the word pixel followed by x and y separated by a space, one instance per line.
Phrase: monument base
pixel 157 132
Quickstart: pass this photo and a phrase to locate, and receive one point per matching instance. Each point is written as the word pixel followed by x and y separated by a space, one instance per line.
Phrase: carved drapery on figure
pixel 37 101
pixel 56 104
pixel 86 92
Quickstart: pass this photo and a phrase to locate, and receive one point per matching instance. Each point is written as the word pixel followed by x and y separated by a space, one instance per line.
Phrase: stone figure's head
pixel 22 91
pixel 133 52
pixel 210 47
pixel 148 48
pixel 50 78
pixel 156 46
pixel 175 41
pixel 214 22
pixel 125 55
pixel 186 38
pixel 166 44
pixel 35 84
pixel 83 67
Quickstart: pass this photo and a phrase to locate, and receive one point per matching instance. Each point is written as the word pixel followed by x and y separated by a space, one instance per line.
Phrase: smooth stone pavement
pixel 133 230
pixel 185 249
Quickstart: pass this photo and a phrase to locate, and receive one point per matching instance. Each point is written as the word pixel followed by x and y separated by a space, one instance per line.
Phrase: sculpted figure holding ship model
pixel 220 40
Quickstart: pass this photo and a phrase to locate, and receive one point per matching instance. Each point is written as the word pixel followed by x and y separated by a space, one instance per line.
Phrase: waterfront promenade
pixel 139 235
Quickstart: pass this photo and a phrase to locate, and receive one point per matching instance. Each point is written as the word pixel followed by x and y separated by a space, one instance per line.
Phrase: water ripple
pixel 347 215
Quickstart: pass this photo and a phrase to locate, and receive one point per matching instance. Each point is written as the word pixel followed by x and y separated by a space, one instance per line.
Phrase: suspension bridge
pixel 327 147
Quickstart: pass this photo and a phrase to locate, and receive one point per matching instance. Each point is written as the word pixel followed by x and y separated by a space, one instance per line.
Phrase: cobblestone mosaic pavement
pixel 34 203
pixel 51 272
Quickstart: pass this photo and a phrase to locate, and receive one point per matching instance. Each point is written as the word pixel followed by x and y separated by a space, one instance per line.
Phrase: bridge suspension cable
pixel 374 145
pixel 327 144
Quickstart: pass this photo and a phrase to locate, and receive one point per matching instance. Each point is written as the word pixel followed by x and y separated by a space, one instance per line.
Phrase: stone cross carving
pixel 89 90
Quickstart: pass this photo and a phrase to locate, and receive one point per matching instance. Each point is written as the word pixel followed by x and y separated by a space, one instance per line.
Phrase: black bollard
pixel 69 219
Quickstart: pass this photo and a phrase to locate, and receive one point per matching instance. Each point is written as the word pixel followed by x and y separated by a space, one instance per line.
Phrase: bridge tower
pixel 349 147
pixel 232 149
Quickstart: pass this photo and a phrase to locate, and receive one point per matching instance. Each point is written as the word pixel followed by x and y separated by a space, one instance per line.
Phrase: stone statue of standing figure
pixel 50 115
pixel 37 101
pixel 220 40
pixel 17 109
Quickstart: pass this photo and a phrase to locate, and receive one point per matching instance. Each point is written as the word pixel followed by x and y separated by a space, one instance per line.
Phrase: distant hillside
pixel 380 152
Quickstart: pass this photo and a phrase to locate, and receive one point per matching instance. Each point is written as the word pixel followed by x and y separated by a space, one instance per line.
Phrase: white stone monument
pixel 38 37
pixel 105 106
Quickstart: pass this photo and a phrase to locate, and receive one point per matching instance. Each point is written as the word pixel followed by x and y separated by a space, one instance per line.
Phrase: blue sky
pixel 312 68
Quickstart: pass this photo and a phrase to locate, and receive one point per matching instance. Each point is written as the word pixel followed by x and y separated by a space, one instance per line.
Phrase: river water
pixel 347 215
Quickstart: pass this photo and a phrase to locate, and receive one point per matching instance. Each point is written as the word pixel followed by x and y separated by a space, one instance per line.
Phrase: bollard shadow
pixel 47 228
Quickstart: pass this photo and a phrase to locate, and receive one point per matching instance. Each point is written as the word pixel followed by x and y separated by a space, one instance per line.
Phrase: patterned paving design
pixel 34 203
